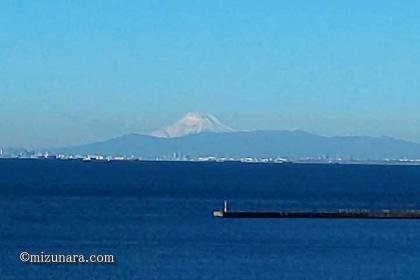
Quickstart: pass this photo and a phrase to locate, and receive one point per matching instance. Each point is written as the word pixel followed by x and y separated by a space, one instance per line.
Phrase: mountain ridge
pixel 258 143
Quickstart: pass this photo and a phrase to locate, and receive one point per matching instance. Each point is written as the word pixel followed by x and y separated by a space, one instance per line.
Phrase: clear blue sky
pixel 77 71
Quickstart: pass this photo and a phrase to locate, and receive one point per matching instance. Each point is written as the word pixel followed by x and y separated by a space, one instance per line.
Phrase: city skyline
pixel 76 72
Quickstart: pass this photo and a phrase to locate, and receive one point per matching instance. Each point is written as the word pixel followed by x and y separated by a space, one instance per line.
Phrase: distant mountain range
pixel 198 135
pixel 288 144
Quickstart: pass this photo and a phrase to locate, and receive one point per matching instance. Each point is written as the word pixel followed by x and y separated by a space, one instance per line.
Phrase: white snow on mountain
pixel 192 123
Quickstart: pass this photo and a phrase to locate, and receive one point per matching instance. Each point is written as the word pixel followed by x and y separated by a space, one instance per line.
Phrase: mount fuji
pixel 192 123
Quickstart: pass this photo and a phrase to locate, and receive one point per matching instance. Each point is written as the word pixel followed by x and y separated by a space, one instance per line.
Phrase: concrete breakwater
pixel 339 214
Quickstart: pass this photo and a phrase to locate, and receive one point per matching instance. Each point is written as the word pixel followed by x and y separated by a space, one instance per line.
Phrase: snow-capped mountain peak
pixel 192 123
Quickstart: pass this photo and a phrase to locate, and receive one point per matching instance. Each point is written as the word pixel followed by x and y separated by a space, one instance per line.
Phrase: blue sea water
pixel 155 217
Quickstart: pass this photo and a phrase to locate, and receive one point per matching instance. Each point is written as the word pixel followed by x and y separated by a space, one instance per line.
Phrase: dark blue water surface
pixel 155 217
